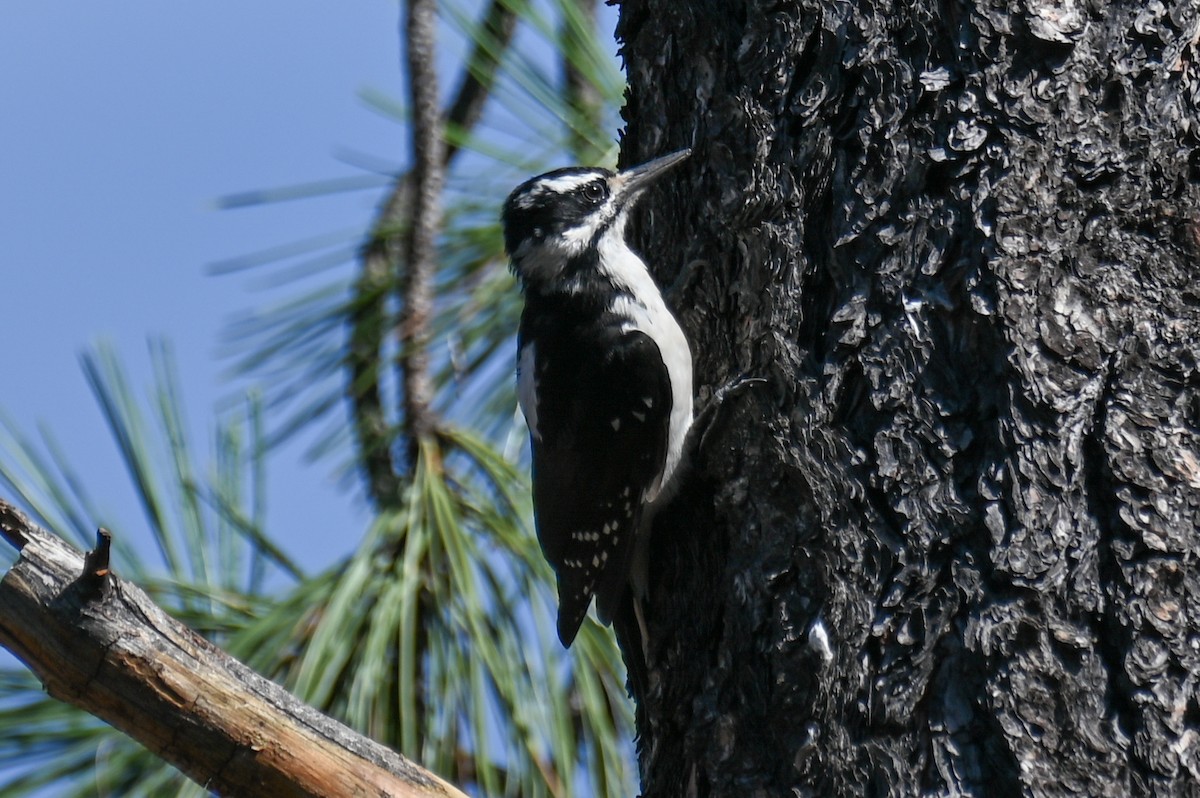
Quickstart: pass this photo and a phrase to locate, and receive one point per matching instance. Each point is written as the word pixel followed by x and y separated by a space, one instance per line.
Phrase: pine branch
pixel 369 315
pixel 583 98
pixel 420 245
pixel 496 31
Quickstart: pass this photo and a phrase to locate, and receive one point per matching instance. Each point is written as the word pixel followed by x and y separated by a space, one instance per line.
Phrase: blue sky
pixel 123 124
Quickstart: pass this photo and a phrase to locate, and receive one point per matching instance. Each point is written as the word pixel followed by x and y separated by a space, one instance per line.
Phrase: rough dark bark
pixel 99 643
pixel 961 240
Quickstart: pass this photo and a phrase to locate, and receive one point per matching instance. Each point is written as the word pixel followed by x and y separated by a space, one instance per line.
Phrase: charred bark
pixel 952 548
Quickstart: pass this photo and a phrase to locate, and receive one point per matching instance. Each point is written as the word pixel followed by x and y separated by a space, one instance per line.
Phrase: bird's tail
pixel 629 627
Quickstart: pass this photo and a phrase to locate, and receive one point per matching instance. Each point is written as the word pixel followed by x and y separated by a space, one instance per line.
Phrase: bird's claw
pixel 707 418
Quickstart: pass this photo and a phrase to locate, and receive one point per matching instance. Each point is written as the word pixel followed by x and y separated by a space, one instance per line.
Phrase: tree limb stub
pixel 117 655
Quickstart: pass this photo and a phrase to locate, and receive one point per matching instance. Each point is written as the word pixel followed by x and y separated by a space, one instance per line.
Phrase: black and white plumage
pixel 604 377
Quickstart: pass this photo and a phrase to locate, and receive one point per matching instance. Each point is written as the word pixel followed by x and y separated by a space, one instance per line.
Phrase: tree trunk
pixel 951 548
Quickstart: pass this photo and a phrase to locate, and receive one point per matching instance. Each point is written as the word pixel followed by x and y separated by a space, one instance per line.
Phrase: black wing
pixel 602 422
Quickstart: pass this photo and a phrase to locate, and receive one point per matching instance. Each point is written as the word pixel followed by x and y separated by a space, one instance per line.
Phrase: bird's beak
pixel 634 181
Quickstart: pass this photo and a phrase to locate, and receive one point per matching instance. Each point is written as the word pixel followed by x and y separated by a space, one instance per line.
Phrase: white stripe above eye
pixel 564 184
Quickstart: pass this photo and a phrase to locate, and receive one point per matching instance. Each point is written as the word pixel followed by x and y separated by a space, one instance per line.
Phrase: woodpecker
pixel 604 378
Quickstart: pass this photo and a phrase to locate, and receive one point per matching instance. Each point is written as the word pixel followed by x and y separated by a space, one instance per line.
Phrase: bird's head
pixel 553 218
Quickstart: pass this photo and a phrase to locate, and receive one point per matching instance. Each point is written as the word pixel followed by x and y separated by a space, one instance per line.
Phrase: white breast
pixel 651 316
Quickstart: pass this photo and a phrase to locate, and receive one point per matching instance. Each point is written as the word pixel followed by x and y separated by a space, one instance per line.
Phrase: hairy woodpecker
pixel 604 377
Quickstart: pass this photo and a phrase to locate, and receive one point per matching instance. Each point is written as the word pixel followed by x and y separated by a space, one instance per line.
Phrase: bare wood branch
pixel 115 654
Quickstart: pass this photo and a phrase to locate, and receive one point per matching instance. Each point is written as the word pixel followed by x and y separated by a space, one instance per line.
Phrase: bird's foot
pixel 706 419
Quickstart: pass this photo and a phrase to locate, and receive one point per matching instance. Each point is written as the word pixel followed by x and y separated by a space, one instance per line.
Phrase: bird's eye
pixel 593 192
